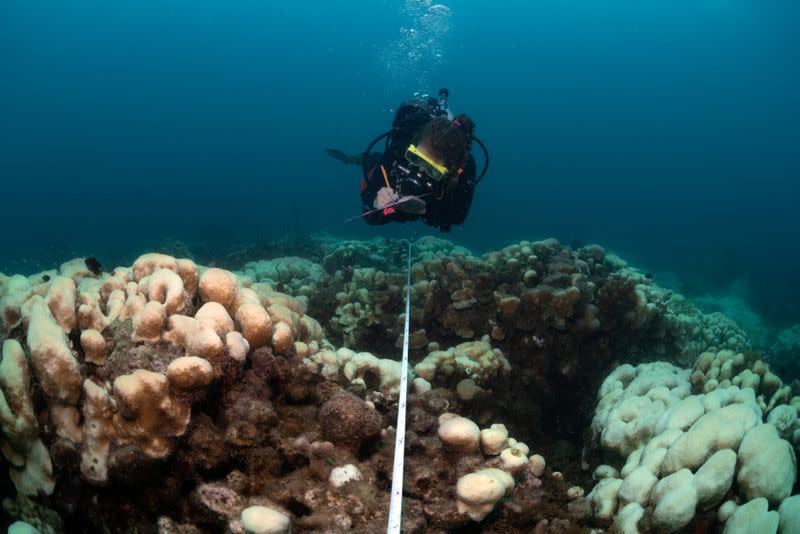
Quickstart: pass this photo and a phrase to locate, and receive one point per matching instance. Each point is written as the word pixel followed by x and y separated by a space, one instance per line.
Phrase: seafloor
pixel 554 389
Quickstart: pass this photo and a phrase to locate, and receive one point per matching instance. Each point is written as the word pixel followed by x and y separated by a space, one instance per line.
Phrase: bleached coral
pixel 767 465
pixel 385 373
pixel 478 492
pixel 684 451
pixel 264 520
pixel 695 332
pixel 357 305
pixel 740 312
pixel 753 516
pixel 725 368
pixel 30 469
pixel 196 370
pixel 784 354
pixel 494 439
pixel 429 247
pixel 474 359
pixel 157 295
pixel 632 401
pixel 458 433
pixel 56 366
pixel 298 276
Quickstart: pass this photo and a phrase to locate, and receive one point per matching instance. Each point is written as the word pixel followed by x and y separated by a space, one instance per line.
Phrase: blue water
pixel 664 130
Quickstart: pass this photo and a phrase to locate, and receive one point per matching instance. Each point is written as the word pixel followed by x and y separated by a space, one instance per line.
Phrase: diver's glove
pixel 384 198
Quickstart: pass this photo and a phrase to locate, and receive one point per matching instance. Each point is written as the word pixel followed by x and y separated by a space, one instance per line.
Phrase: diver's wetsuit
pixel 440 213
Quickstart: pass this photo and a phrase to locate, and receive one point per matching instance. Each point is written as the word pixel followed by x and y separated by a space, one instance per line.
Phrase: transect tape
pixel 396 499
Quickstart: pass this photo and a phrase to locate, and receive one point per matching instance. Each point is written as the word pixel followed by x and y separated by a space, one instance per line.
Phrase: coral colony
pixel 553 389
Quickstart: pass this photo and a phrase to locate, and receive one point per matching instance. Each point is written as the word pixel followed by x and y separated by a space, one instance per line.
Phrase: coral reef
pixel 726 368
pixel 784 355
pixel 474 360
pixel 680 455
pixel 170 396
pixel 740 312
pixel 559 316
pixel 293 275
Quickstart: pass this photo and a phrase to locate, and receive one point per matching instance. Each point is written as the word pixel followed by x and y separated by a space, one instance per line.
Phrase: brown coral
pixel 346 419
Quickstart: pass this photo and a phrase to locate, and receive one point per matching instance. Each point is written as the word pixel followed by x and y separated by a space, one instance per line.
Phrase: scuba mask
pixel 417 158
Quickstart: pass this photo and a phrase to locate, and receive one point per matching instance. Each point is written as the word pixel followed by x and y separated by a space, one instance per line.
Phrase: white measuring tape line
pixel 396 498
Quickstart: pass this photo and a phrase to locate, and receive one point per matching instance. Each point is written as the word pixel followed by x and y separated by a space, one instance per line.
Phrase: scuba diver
pixel 426 170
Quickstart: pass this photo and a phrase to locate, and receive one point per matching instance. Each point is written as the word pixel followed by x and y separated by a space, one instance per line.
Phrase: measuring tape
pixel 396 499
